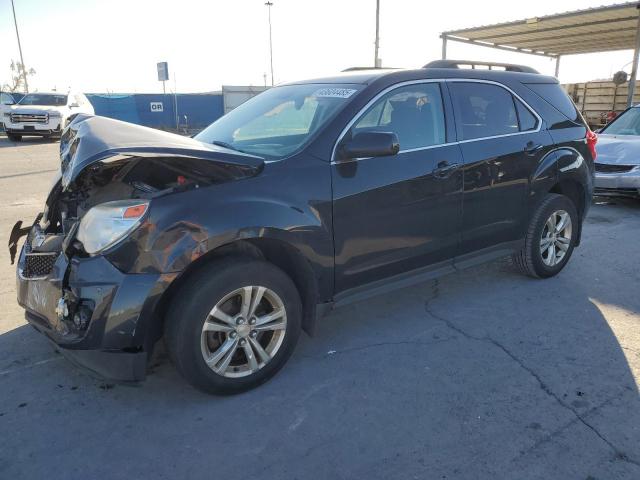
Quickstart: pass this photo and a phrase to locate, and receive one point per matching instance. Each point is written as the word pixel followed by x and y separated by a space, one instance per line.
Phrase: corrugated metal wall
pixel 200 109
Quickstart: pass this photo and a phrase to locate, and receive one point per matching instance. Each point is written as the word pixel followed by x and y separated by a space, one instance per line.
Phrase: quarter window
pixel 414 113
pixel 484 110
pixel 527 120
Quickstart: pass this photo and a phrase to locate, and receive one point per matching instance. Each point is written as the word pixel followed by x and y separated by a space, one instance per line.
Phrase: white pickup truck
pixel 43 114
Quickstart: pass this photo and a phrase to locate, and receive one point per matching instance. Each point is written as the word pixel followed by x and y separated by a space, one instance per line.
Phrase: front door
pixel 398 213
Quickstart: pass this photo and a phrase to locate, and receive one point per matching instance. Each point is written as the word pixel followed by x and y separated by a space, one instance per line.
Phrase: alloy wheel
pixel 556 238
pixel 243 331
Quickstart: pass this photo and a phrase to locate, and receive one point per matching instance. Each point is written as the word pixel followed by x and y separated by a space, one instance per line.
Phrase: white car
pixel 6 100
pixel 44 114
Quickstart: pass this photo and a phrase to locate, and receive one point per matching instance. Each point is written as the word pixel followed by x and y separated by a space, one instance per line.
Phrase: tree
pixel 18 74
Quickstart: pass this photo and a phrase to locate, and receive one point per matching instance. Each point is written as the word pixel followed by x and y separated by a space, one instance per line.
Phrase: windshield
pixel 279 121
pixel 48 100
pixel 626 124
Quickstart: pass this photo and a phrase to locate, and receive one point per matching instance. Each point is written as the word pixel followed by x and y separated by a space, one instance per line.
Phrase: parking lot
pixel 481 374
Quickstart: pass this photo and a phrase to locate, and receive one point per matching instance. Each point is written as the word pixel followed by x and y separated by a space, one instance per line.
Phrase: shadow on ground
pixel 482 374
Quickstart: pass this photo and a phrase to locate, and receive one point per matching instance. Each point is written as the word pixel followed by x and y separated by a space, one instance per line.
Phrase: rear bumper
pixel 105 320
pixel 618 184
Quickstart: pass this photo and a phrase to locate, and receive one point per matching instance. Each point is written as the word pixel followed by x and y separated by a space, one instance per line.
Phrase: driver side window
pixel 413 112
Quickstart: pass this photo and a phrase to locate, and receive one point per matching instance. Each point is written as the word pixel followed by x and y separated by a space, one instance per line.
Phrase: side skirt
pixel 417 276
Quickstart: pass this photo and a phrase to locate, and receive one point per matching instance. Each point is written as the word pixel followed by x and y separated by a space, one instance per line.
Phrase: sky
pixel 114 45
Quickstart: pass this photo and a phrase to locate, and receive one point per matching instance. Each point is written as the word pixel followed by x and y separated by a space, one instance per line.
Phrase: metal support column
pixel 444 47
pixel 634 69
pixel 557 65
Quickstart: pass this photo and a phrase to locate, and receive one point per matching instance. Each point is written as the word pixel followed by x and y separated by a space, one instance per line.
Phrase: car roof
pixel 47 93
pixel 366 77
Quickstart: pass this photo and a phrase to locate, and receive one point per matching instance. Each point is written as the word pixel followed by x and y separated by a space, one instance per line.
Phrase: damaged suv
pixel 307 197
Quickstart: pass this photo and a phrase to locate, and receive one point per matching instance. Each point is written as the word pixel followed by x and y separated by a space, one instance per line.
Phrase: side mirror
pixel 370 144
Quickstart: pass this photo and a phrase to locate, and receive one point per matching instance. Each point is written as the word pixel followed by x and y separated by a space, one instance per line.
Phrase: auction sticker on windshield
pixel 334 92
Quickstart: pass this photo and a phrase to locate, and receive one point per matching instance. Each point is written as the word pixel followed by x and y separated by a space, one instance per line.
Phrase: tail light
pixel 592 139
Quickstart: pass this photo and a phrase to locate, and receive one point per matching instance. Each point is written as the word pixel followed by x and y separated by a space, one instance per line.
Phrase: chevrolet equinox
pixel 309 196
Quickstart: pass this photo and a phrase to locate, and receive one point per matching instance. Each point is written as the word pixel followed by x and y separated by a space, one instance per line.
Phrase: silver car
pixel 618 162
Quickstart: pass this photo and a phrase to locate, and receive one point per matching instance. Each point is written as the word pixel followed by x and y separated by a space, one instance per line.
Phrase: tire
pixel 534 259
pixel 13 137
pixel 193 305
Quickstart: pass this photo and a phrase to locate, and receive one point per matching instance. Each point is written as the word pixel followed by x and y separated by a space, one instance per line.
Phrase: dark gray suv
pixel 309 196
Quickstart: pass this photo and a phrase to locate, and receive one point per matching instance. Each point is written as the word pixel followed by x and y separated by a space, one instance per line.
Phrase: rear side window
pixel 483 110
pixel 558 98
pixel 414 113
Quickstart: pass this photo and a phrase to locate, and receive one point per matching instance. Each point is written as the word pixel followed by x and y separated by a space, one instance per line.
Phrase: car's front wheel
pixel 550 238
pixel 13 137
pixel 233 325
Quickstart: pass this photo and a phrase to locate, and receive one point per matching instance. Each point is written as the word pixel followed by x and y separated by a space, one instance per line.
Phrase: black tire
pixel 190 309
pixel 13 137
pixel 530 260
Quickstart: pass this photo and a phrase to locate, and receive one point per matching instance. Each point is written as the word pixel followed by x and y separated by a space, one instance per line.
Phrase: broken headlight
pixel 106 224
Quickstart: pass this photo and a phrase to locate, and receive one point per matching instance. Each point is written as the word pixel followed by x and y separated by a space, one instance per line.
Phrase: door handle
pixel 444 169
pixel 532 148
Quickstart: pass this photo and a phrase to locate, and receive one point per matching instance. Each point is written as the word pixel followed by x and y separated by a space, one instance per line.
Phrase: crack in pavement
pixel 558 431
pixel 619 454
pixel 25 174
pixel 348 350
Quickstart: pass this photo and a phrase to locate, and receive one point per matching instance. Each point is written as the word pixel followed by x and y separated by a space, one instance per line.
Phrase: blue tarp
pixel 200 109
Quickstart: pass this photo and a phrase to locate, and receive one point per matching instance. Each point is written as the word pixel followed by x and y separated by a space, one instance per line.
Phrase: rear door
pixel 398 213
pixel 502 142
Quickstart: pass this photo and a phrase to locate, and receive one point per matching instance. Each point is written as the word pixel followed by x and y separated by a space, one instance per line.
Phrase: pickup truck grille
pixel 29 118
pixel 607 168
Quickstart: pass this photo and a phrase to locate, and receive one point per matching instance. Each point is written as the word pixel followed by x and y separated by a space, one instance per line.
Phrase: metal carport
pixel 600 29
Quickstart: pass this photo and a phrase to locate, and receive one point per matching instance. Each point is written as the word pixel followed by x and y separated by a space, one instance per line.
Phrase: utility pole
pixel 376 61
pixel 269 5
pixel 24 69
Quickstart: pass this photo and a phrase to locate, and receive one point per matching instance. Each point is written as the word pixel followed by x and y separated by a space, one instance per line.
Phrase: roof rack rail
pixel 473 63
pixel 358 69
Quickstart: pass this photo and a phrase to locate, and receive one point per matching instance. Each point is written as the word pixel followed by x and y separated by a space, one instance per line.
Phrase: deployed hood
pixel 91 140
pixel 618 149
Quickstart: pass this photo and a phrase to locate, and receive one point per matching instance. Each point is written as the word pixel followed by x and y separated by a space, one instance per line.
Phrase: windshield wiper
pixel 220 143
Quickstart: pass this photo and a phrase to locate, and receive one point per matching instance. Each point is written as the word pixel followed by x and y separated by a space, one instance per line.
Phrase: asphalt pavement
pixel 483 374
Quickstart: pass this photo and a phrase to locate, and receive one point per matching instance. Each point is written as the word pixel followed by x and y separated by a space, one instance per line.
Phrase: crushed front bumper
pixel 625 184
pixel 96 315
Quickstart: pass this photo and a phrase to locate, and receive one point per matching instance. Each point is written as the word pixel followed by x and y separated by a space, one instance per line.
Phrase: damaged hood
pixel 90 140
pixel 618 149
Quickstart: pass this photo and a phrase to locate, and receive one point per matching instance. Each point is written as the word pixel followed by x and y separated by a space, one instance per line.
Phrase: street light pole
pixel 269 5
pixel 376 61
pixel 24 69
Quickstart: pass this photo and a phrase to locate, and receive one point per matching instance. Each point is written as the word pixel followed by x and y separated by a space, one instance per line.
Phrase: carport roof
pixel 591 30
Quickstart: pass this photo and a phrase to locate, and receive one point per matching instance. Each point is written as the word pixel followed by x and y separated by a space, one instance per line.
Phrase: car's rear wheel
pixel 550 238
pixel 233 325
pixel 13 137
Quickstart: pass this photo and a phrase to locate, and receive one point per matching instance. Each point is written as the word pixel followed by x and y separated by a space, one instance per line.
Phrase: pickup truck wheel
pixel 13 137
pixel 233 325
pixel 550 238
